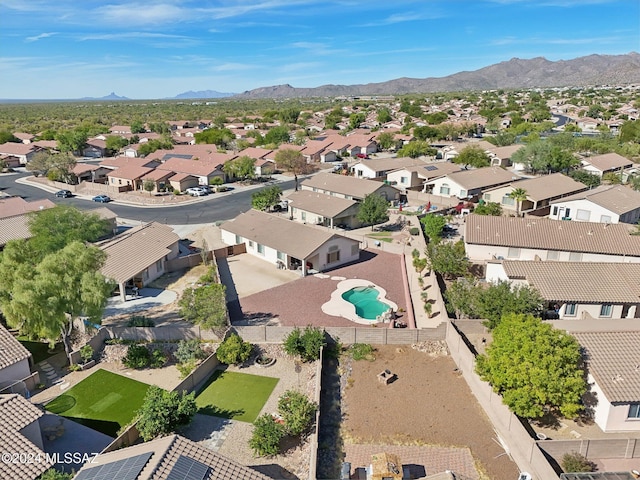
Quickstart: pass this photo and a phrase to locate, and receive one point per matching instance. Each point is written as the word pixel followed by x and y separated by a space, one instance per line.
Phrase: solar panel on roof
pixel 430 168
pixel 188 469
pixel 184 156
pixel 125 469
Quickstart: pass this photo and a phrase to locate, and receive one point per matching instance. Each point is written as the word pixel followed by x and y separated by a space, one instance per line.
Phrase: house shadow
pixel 273 470
pixel 365 256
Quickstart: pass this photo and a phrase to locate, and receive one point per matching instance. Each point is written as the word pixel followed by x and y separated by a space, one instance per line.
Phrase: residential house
pixel 501 156
pixel 160 179
pixel 319 209
pixel 14 219
pixel 541 191
pixel 25 138
pixel 167 458
pixel 348 187
pixel 203 170
pixel 315 151
pixel 469 184
pixel 15 363
pixel 20 435
pixel 89 172
pixel 263 165
pixel 138 256
pixel 414 177
pixel 606 163
pixel 120 129
pixel 131 150
pixel 532 238
pixel 288 244
pixel 612 367
pixel 24 152
pixel 119 162
pixel 576 290
pixel 95 148
pixel 604 204
pixel 179 182
pixel 130 175
pixel 378 168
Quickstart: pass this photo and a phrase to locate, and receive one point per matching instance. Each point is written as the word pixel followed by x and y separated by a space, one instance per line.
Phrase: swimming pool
pixel 365 299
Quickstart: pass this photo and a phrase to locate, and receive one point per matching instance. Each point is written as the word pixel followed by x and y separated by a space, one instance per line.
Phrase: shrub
pixel 162 412
pixel 140 321
pixel 186 368
pixel 297 411
pixel 414 231
pixel 266 436
pixel 305 344
pixel 158 358
pixel 53 474
pixel 189 351
pixel 362 351
pixel 86 353
pixel 233 350
pixel 575 462
pixel 137 356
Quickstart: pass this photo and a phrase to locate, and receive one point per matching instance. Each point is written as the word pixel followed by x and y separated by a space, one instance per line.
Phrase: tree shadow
pixel 215 411
pixel 273 470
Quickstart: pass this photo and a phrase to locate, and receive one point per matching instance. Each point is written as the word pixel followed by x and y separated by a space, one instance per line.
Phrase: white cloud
pixel 41 36
pixel 142 13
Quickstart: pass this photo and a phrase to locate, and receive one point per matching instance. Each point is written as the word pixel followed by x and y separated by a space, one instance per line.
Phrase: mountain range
pixel 513 74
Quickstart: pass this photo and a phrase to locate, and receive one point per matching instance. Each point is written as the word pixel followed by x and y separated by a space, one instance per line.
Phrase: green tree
pixel 415 149
pixel 233 350
pixel 448 259
pixel 266 436
pixel 630 131
pixel 289 115
pixel 151 146
pixel 612 178
pixel 433 226
pixel 221 137
pixel 472 156
pixel 6 136
pixel 71 141
pixel 149 185
pixel 589 179
pixel 355 119
pixel 535 367
pixel 115 143
pixel 373 210
pixel 162 412
pixel 137 127
pixel 242 167
pixel 297 411
pixel 205 306
pixel 305 344
pixel 266 198
pixel 426 133
pixel 386 140
pixel 189 350
pixel 277 135
pixel 493 301
pixel 574 462
pixel 519 195
pixel 53 474
pixel 292 161
pixel 44 299
pixel 489 208
pixel 384 116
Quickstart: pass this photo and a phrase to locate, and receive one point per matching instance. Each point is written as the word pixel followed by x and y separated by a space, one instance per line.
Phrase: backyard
pixel 40 350
pixel 236 396
pixel 103 401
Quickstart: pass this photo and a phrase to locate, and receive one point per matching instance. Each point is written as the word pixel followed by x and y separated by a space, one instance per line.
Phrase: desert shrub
pixel 414 231
pixel 306 344
pixel 233 350
pixel 297 411
pixel 186 368
pixel 140 321
pixel 86 353
pixel 158 359
pixel 266 436
pixel 137 356
pixel 575 462
pixel 362 351
pixel 189 350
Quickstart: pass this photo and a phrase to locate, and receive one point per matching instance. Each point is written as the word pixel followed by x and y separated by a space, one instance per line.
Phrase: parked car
pixel 64 194
pixel 101 198
pixel 197 191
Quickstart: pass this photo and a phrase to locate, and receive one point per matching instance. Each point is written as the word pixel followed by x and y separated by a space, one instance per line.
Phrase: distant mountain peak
pixel 203 94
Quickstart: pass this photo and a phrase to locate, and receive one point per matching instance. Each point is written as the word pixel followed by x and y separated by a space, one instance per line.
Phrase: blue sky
pixel 159 48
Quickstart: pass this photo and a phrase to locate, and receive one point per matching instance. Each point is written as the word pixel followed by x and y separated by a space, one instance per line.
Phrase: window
pixel 251 243
pixel 159 266
pixel 513 252
pixel 583 215
pixel 567 213
pixel 575 256
pixel 404 180
pixel 552 255
pixel 605 218
pixel 260 249
pixel 280 255
pixel 487 197
pixel 555 211
pixel 570 310
pixel 463 193
pixel 605 310
pixel 354 250
pixel 444 189
pixel 333 257
pixel 507 200
pixel 634 410
pixel 303 216
pixel 238 239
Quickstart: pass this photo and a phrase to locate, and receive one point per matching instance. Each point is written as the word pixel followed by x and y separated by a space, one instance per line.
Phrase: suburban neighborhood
pixel 408 287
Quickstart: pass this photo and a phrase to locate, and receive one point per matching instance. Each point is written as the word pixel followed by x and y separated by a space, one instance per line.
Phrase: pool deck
pixel 339 307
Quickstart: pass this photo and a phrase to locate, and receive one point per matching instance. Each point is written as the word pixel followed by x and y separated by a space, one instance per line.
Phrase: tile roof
pixel 504 152
pixel 547 186
pixel 131 252
pixel 542 233
pixel 80 168
pixel 17 148
pixel 191 167
pixel 292 238
pixel 203 152
pixel 11 350
pixel 165 453
pixel 12 206
pixel 616 198
pixel 14 228
pixel 158 175
pixel 390 163
pixel 608 161
pixel 319 203
pixel 613 359
pixel 482 177
pixel 342 184
pixel 118 162
pixel 579 282
pixel 16 413
pixel 254 152
pixel 130 172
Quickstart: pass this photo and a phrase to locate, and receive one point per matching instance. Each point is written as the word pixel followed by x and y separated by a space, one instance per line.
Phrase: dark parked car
pixel 102 198
pixel 64 194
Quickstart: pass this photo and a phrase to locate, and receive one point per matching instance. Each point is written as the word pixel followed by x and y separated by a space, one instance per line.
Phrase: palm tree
pixel 519 195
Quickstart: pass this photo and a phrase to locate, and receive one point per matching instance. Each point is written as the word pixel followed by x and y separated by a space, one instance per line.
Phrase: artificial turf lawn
pixel 238 396
pixel 103 401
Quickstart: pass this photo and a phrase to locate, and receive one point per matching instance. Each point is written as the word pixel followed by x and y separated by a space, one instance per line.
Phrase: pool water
pixel 365 299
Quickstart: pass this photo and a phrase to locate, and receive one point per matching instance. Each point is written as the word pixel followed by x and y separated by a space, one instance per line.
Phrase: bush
pixel 186 368
pixel 266 436
pixel 53 474
pixel 297 411
pixel 86 353
pixel 414 231
pixel 305 344
pixel 140 321
pixel 233 350
pixel 362 351
pixel 158 359
pixel 162 412
pixel 575 462
pixel 137 356
pixel 189 351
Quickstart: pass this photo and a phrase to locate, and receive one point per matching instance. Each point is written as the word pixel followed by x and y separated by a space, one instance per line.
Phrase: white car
pixel 197 191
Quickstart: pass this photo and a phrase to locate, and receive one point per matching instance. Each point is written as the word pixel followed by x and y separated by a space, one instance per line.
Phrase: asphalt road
pixel 209 209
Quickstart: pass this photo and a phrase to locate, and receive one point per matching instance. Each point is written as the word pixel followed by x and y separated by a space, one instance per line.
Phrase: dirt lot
pixel 429 404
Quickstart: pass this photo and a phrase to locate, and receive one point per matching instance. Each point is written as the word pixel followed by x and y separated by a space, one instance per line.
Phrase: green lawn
pixel 40 350
pixel 103 401
pixel 238 396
